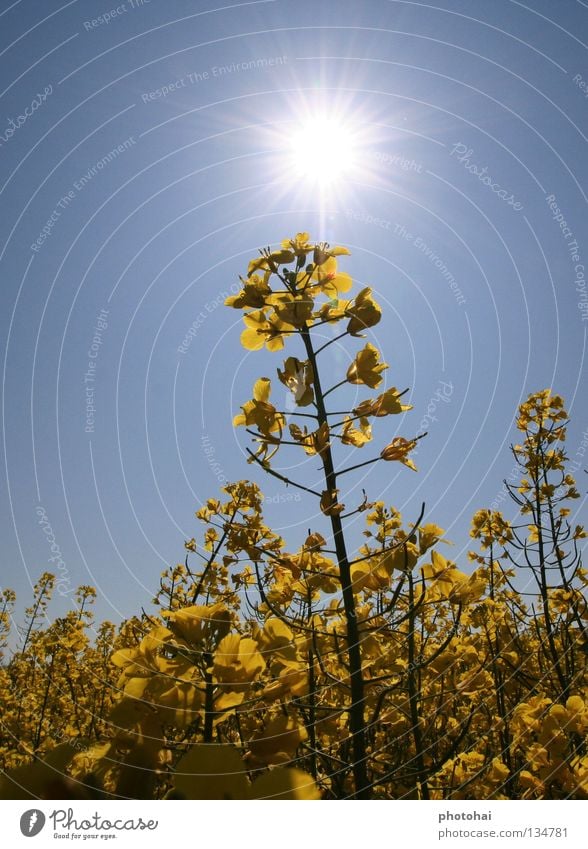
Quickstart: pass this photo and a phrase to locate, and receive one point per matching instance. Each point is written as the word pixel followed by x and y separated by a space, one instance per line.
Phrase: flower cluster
pixel 386 670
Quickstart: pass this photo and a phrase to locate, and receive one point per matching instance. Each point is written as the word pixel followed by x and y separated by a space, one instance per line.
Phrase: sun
pixel 322 150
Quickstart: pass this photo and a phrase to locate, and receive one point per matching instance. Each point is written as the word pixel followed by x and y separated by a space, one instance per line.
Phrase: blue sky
pixel 149 163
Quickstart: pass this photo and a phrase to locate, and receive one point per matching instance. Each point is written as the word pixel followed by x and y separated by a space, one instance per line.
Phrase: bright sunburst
pixel 322 150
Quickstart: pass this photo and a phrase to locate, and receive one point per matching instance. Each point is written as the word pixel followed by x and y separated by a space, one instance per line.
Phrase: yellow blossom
pixel 352 435
pixel 388 403
pixel 399 449
pixel 364 312
pixel 298 377
pixel 366 367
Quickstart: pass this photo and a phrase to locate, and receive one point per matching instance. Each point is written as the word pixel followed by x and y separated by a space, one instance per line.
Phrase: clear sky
pixel 144 159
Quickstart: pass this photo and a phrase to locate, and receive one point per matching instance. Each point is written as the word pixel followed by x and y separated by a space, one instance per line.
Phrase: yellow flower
pixel 329 504
pixel 253 294
pixel 216 771
pixel 293 310
pixel 447 582
pixel 364 312
pixel 270 260
pixel 429 535
pixel 211 771
pixel 237 662
pixel 314 542
pixel 282 783
pixel 299 245
pixel 333 310
pixel 533 533
pixel 366 367
pixel 323 251
pixel 298 377
pixel 276 637
pixel 403 556
pixel 398 449
pixel 259 411
pixel 260 331
pixel 499 772
pixel 490 527
pixel 313 443
pixel 278 742
pixel 329 281
pixel 199 622
pixel 386 404
pixel 356 436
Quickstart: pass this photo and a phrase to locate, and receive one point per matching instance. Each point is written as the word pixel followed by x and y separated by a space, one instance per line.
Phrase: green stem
pixel 356 709
pixel 208 701
pixel 413 692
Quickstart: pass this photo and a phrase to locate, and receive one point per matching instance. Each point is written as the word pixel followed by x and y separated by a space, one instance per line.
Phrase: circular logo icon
pixel 32 822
